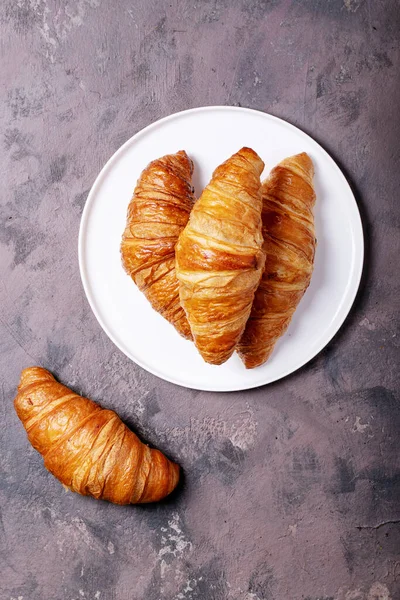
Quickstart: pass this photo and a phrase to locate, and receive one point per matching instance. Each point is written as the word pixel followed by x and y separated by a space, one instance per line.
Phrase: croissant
pixel 157 213
pixel 219 256
pixel 88 448
pixel 288 229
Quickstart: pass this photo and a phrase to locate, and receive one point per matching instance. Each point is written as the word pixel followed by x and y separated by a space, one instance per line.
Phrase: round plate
pixel 210 135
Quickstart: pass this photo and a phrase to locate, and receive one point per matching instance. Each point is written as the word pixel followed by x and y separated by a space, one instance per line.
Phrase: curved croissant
pixel 157 213
pixel 219 257
pixel 88 448
pixel 288 228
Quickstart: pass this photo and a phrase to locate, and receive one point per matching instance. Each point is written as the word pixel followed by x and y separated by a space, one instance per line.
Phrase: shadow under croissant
pixel 171 500
pixel 173 496
pixel 38 388
pixel 364 289
pixel 362 293
pixel 141 433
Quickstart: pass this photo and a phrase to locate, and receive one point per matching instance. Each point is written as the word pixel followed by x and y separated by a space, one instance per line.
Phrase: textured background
pixel 291 491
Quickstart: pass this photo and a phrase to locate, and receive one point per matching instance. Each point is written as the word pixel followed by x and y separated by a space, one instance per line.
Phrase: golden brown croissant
pixel 157 213
pixel 88 448
pixel 219 257
pixel 288 229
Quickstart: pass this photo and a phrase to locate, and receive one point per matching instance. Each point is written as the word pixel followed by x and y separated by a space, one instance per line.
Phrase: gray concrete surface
pixel 291 491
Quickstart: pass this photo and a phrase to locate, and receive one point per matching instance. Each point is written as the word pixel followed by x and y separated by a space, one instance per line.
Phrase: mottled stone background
pixel 291 491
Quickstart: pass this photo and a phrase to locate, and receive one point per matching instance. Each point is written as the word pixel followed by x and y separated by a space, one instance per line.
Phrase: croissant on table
pixel 288 229
pixel 219 256
pixel 157 213
pixel 88 448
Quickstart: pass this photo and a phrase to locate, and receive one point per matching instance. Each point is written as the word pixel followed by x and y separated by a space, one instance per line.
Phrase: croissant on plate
pixel 288 229
pixel 157 213
pixel 219 256
pixel 88 448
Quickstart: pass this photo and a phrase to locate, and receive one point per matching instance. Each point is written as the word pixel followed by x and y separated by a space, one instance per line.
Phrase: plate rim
pixel 354 282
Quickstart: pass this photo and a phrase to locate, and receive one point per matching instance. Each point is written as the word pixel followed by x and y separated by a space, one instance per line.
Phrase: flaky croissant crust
pixel 289 244
pixel 157 213
pixel 88 448
pixel 219 257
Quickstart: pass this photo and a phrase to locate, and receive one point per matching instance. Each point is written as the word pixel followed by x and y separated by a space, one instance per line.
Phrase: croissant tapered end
pixel 157 213
pixel 219 256
pixel 88 448
pixel 162 479
pixel 301 164
pixel 256 357
pixel 33 375
pixel 289 243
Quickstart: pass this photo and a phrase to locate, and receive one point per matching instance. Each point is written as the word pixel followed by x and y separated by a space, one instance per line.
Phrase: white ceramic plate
pixel 210 135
